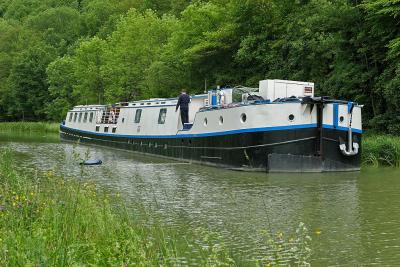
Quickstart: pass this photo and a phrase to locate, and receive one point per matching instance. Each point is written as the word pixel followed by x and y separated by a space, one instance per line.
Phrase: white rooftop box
pixel 273 89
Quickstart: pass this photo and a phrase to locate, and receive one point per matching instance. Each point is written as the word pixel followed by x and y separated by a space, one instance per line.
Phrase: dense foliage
pixel 56 54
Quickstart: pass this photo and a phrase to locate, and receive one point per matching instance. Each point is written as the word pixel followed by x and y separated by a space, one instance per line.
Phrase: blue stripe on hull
pixel 251 130
pixel 341 128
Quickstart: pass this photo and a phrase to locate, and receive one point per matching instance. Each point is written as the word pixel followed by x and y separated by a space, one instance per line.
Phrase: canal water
pixel 353 218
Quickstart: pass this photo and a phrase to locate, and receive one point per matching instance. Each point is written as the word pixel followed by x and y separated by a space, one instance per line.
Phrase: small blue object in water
pixel 92 162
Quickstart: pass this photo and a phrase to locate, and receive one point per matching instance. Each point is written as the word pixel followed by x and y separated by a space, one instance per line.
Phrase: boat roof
pixel 147 102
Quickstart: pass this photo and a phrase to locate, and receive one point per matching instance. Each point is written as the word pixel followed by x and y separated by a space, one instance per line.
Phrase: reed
pixel 46 220
pixel 381 150
pixel 26 127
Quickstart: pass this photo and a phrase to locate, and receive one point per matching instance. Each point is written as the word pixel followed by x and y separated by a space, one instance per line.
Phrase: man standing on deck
pixel 183 103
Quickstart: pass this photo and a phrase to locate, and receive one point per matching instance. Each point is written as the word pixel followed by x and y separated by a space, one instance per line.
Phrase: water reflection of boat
pixel 279 127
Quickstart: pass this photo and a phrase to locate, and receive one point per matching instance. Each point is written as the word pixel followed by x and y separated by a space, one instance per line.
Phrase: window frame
pixel 91 116
pixel 138 117
pixel 161 118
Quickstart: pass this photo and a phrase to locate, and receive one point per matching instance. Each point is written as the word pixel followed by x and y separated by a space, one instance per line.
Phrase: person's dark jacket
pixel 183 101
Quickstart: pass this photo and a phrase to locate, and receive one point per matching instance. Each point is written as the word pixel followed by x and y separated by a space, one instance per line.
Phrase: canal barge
pixel 281 127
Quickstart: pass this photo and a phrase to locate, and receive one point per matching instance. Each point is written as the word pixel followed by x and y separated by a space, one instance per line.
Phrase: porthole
pixel 243 118
pixel 221 120
pixel 205 122
pixel 291 117
pixel 341 119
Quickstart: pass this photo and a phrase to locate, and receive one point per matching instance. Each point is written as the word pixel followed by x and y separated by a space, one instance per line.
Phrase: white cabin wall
pixel 87 126
pixel 257 116
pixel 148 124
pixel 357 119
pixel 342 111
pixel 194 106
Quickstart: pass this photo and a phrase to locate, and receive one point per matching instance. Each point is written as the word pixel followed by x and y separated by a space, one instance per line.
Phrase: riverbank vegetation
pixel 46 220
pixel 381 150
pixel 56 54
pixel 28 127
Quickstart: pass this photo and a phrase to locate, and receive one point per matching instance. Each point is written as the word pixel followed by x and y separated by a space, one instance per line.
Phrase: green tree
pixel 382 43
pixel 60 27
pixel 27 80
pixel 131 49
pixel 88 62
pixel 201 48
pixel 61 81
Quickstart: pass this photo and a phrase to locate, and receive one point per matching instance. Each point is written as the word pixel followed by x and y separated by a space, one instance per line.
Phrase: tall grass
pixel 26 127
pixel 381 150
pixel 46 220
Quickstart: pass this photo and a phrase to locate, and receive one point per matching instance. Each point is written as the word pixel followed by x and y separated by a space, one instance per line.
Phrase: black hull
pixel 293 150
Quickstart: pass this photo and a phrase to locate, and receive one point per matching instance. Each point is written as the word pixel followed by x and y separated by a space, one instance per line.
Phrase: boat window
pixel 80 117
pixel 341 119
pixel 75 116
pixel 70 116
pixel 138 114
pixel 114 129
pixel 97 128
pixel 106 129
pixel 205 121
pixel 221 120
pixel 243 118
pixel 91 117
pixel 291 117
pixel 162 116
pixel 123 120
pixel 85 117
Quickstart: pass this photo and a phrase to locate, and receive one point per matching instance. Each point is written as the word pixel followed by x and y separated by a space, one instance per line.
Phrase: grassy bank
pixel 46 220
pixel 381 150
pixel 26 127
